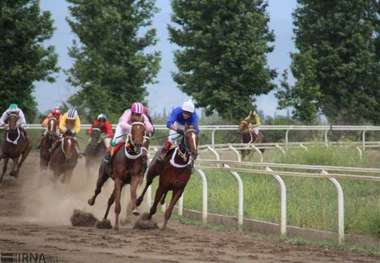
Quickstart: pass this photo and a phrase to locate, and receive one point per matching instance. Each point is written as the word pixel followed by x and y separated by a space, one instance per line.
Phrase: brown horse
pixel 47 141
pixel 16 144
pixel 174 173
pixel 95 149
pixel 64 157
pixel 128 167
pixel 250 137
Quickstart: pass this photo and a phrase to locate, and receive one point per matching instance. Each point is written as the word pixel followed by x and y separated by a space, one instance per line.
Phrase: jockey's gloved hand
pixel 181 132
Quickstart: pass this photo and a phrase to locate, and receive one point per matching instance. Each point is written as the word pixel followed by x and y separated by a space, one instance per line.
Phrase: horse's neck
pixel 14 134
pixel 181 156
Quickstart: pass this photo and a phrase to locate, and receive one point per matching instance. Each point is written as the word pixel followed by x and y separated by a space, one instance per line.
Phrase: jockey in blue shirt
pixel 178 118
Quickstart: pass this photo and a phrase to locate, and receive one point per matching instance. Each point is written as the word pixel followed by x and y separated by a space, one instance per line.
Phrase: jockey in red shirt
pixel 105 126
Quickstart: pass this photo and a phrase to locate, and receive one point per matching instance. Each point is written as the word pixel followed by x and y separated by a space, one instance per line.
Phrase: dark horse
pixel 95 149
pixel 128 166
pixel 174 172
pixel 47 141
pixel 64 157
pixel 16 144
pixel 249 137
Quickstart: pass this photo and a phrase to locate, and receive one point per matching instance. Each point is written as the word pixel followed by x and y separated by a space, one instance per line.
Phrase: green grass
pixel 311 202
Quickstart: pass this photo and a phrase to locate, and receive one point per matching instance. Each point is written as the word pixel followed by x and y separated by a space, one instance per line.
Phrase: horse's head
pixel 243 127
pixel 12 120
pixel 191 141
pixel 52 125
pixel 68 146
pixel 137 135
pixel 96 137
pixel 70 124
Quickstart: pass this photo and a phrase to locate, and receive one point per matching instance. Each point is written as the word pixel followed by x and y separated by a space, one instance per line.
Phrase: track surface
pixel 34 217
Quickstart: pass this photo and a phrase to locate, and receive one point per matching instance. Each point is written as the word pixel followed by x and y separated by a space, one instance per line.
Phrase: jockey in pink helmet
pixel 124 125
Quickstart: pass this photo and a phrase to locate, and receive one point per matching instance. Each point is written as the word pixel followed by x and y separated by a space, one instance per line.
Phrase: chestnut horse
pixel 248 136
pixel 64 157
pixel 95 149
pixel 128 167
pixel 47 141
pixel 174 172
pixel 16 144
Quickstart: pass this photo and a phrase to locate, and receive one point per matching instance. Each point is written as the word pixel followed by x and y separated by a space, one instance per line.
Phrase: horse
pixel 47 141
pixel 64 157
pixel 174 173
pixel 16 144
pixel 95 149
pixel 249 137
pixel 128 166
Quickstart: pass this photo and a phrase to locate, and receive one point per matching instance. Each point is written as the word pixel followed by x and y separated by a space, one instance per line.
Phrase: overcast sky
pixel 164 93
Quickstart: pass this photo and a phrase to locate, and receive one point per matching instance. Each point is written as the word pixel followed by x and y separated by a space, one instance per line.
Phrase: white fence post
pixel 180 205
pixel 204 195
pixel 326 138
pixel 287 138
pixel 238 155
pixel 283 220
pixel 360 152
pixel 258 151
pixel 280 148
pixel 363 140
pixel 240 197
pixel 213 137
pixel 340 207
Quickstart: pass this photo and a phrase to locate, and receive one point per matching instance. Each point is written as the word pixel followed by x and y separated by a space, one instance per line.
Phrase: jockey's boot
pixel 164 151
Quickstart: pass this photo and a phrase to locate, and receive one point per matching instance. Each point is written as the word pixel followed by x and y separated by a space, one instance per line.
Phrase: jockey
pixel 56 113
pixel 124 126
pixel 13 108
pixel 70 121
pixel 254 122
pixel 106 128
pixel 178 118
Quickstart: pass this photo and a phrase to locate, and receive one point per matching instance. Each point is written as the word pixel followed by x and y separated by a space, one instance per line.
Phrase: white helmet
pixel 188 106
pixel 72 114
pixel 102 116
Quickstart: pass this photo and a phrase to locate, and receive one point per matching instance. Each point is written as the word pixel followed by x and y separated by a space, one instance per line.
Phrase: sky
pixel 163 94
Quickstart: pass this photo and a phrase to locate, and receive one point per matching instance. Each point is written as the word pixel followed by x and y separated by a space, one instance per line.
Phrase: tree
pixel 222 57
pixel 337 66
pixel 112 65
pixel 23 58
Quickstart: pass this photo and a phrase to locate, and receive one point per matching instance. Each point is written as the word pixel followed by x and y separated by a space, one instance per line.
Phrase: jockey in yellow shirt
pixel 254 122
pixel 70 121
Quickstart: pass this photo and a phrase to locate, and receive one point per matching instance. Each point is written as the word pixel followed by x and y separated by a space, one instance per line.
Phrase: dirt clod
pixel 145 223
pixel 104 224
pixel 80 218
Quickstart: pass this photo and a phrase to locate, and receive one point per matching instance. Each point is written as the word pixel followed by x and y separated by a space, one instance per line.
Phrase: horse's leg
pixel 4 168
pixel 14 166
pixel 135 181
pixel 176 195
pixel 163 199
pixel 111 199
pixel 159 192
pixel 118 187
pixel 102 178
pixel 24 155
pixel 149 179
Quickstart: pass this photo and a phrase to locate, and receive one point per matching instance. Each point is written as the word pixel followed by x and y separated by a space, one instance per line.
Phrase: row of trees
pixel 221 60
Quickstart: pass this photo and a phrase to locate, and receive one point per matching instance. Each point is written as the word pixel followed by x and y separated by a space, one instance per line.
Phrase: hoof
pixel 13 173
pixel 91 201
pixel 104 224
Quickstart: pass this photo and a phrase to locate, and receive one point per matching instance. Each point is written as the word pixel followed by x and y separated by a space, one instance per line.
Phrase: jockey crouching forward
pixel 14 109
pixel 125 124
pixel 254 122
pixel 69 124
pixel 55 113
pixel 178 118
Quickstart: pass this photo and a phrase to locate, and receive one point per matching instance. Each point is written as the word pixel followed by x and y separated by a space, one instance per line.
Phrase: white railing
pixel 286 128
pixel 277 171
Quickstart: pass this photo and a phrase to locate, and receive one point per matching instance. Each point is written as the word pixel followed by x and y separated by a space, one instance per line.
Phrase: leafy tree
pixel 23 58
pixel 337 66
pixel 222 57
pixel 112 65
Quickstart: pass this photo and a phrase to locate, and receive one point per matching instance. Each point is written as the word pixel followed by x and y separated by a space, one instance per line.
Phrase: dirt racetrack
pixel 35 213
